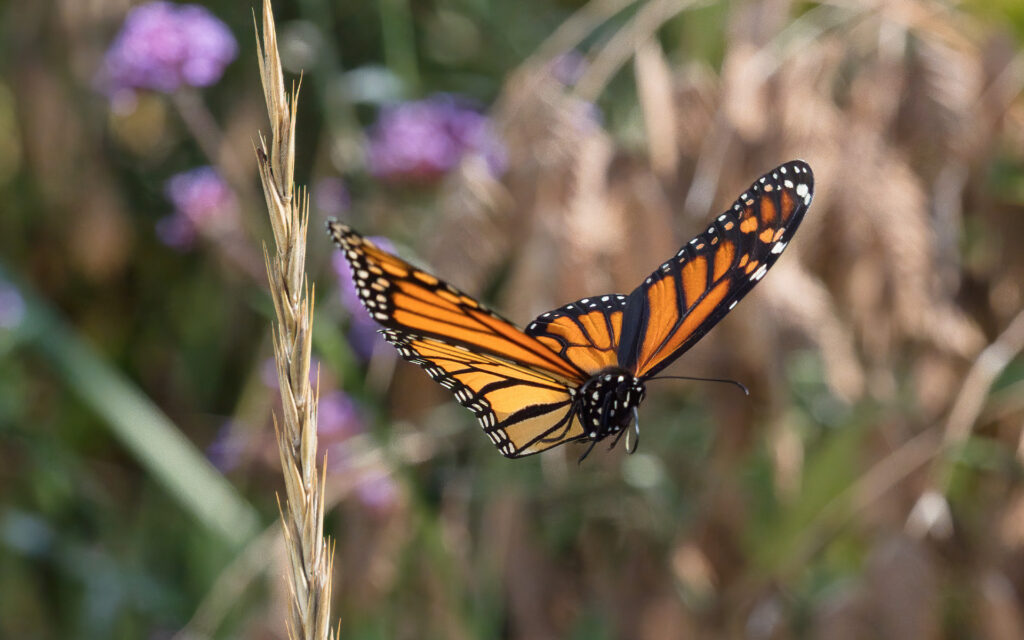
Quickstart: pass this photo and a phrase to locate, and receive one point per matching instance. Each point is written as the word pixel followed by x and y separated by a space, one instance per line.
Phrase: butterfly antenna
pixel 636 429
pixel 742 387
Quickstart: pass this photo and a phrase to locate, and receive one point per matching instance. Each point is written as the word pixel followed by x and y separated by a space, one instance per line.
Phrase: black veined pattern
pixel 577 373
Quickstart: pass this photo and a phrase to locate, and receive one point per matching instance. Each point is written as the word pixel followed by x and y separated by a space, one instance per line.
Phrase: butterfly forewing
pixel 402 297
pixel 687 295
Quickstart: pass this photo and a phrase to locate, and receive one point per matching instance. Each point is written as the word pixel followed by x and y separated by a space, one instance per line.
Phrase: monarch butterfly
pixel 577 373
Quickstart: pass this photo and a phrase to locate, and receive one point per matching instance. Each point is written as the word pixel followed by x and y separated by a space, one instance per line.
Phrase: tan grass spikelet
pixel 310 559
pixel 813 312
pixel 654 92
pixel 874 203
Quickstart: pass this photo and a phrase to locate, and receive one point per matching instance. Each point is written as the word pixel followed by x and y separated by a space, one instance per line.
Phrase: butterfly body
pixel 605 402
pixel 577 373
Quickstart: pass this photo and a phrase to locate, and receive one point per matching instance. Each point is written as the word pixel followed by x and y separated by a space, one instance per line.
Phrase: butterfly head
pixel 606 401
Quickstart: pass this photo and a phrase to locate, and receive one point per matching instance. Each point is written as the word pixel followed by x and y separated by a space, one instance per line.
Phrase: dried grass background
pixel 905 116
pixel 871 484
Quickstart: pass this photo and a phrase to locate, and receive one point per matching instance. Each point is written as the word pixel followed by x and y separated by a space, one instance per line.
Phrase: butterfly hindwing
pixel 687 295
pixel 522 410
pixel 520 391
pixel 585 332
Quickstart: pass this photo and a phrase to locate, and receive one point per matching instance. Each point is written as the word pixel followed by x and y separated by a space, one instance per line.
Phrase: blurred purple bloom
pixel 176 232
pixel 202 202
pixel 568 68
pixel 362 333
pixel 337 417
pixel 421 141
pixel 330 196
pixel 225 452
pixel 163 45
pixel 588 115
pixel 377 491
pixel 12 306
pixel 363 336
pixel 268 374
pixel 202 196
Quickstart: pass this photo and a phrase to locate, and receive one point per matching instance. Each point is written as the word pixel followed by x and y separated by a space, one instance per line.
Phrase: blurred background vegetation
pixel 531 152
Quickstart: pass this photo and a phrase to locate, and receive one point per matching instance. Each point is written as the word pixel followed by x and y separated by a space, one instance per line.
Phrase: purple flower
pixel 202 202
pixel 176 231
pixel 202 196
pixel 586 115
pixel 162 46
pixel 225 452
pixel 377 491
pixel 330 196
pixel 337 417
pixel 12 306
pixel 362 333
pixel 569 67
pixel 421 141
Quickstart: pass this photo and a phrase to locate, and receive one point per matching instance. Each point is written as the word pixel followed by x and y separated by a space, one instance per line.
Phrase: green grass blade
pixel 139 424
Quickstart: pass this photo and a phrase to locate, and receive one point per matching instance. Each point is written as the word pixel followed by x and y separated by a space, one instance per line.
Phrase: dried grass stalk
pixel 302 515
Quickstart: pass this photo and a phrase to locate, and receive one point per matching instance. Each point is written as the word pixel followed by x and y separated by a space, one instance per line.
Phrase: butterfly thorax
pixel 606 401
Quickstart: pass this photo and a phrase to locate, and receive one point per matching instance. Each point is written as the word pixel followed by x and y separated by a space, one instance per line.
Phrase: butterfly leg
pixel 625 432
pixel 636 428
pixel 593 443
pixel 616 440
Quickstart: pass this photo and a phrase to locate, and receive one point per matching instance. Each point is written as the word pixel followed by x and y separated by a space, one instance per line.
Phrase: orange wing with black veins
pixel 687 295
pixel 520 390
pixel 406 299
pixel 585 332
